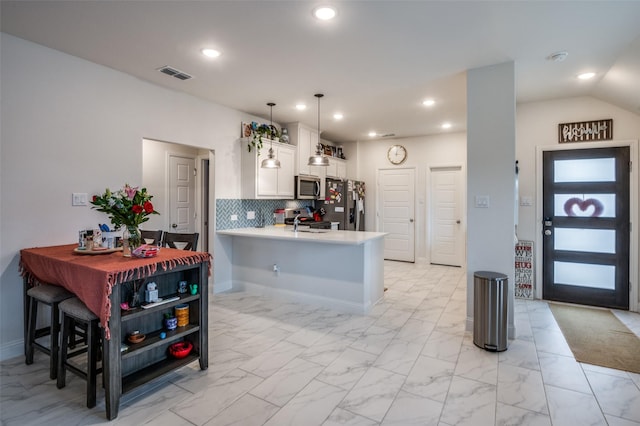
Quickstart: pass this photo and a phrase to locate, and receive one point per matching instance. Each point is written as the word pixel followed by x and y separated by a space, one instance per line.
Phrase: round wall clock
pixel 397 154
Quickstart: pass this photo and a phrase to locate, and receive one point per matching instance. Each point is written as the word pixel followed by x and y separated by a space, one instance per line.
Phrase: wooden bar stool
pixel 51 295
pixel 75 312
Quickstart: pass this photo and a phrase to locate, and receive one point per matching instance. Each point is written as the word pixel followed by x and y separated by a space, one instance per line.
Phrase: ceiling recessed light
pixel 324 13
pixel 446 125
pixel 301 107
pixel 211 53
pixel 586 75
pixel 372 134
pixel 428 102
pixel 338 116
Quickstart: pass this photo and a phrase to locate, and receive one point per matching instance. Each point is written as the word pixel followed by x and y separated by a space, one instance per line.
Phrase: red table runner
pixel 91 277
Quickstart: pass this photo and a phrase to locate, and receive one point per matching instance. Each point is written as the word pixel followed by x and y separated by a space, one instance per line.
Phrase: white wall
pixel 423 153
pixel 69 125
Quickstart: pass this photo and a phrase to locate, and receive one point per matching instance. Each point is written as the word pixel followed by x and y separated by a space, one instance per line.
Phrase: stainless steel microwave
pixel 307 188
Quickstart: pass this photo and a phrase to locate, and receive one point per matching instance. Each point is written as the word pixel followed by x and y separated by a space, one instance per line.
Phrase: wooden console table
pixel 104 281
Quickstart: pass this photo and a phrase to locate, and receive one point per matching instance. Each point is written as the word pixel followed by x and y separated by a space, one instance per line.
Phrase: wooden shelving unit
pixel 150 359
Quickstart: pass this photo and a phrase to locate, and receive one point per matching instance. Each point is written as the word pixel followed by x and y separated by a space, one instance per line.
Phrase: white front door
pixel 182 189
pixel 446 229
pixel 396 192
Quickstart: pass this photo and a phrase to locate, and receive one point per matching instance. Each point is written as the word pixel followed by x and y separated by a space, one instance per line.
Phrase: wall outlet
pixel 79 199
pixel 251 215
pixel 234 217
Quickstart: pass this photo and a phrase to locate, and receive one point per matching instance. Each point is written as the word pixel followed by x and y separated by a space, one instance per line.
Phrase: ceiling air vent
pixel 175 73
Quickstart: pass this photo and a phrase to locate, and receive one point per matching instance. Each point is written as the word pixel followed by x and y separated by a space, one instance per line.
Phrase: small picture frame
pixel 327 150
pixel 245 130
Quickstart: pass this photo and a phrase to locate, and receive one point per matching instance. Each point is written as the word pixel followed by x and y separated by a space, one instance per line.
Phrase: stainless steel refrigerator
pixel 344 203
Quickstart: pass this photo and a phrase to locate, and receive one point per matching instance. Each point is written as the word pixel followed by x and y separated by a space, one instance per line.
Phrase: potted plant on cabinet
pixel 259 132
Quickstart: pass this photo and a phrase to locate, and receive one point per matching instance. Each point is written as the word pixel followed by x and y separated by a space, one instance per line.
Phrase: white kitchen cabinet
pixel 260 183
pixel 306 139
pixel 337 168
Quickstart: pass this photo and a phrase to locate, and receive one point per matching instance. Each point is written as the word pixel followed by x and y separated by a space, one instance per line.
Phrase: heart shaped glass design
pixel 583 205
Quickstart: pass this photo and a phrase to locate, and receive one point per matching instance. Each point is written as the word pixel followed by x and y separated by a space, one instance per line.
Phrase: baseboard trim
pixel 11 350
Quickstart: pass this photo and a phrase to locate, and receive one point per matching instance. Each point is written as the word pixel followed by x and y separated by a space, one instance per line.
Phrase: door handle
pixel 411 220
pixel 458 221
pixel 175 225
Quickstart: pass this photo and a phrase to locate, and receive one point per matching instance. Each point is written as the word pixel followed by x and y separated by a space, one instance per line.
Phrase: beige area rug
pixel 597 337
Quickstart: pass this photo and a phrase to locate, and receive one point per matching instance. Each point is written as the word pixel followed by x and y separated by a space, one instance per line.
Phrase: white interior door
pixel 445 212
pixel 396 192
pixel 182 189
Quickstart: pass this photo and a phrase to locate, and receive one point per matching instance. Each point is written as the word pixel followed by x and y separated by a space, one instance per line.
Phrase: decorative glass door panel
pixel 586 226
pixel 585 240
pixel 585 205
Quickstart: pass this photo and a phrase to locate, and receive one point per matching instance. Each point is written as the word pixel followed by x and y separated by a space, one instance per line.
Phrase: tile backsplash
pixel 263 209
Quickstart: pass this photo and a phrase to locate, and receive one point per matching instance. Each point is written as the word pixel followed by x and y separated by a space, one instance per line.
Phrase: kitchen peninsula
pixel 342 270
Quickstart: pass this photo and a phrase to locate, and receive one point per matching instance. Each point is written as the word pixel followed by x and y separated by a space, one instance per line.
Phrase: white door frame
pixel 463 207
pixel 634 264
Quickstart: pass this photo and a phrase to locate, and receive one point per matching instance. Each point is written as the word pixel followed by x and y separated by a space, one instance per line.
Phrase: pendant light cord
pixel 318 95
pixel 271 105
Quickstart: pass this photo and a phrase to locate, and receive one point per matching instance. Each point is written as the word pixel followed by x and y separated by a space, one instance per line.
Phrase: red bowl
pixel 180 349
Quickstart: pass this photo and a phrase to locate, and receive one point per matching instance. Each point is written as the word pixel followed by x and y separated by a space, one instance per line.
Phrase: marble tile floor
pixel 409 362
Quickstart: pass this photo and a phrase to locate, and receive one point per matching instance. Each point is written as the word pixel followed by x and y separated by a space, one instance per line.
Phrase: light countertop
pixel 286 233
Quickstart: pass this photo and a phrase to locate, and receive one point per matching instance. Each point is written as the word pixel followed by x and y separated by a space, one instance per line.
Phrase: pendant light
pixel 318 159
pixel 271 162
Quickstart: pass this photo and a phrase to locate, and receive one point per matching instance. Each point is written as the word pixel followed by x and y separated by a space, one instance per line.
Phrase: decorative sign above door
pixel 586 131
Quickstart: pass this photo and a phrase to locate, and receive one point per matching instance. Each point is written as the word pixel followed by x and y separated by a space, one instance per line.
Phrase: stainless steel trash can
pixel 490 310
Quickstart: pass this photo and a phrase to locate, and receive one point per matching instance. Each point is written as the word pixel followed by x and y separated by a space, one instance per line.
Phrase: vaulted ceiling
pixel 375 62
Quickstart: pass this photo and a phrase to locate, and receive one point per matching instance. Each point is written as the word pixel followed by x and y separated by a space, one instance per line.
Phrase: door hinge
pixel 195 171
pixel 630 166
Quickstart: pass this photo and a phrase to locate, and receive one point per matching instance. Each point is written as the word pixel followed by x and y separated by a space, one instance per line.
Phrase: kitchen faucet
pixel 296 221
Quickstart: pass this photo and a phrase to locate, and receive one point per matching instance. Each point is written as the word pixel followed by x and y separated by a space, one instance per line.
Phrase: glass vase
pixel 131 240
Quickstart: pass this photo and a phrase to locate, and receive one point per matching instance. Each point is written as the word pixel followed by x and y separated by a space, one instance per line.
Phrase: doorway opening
pixel 179 176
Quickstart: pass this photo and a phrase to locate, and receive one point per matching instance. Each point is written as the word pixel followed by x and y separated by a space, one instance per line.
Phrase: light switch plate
pixel 526 201
pixel 79 199
pixel 251 215
pixel 482 201
pixel 234 217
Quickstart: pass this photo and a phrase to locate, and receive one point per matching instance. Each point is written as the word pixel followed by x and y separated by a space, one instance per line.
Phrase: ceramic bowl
pixel 180 349
pixel 136 338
